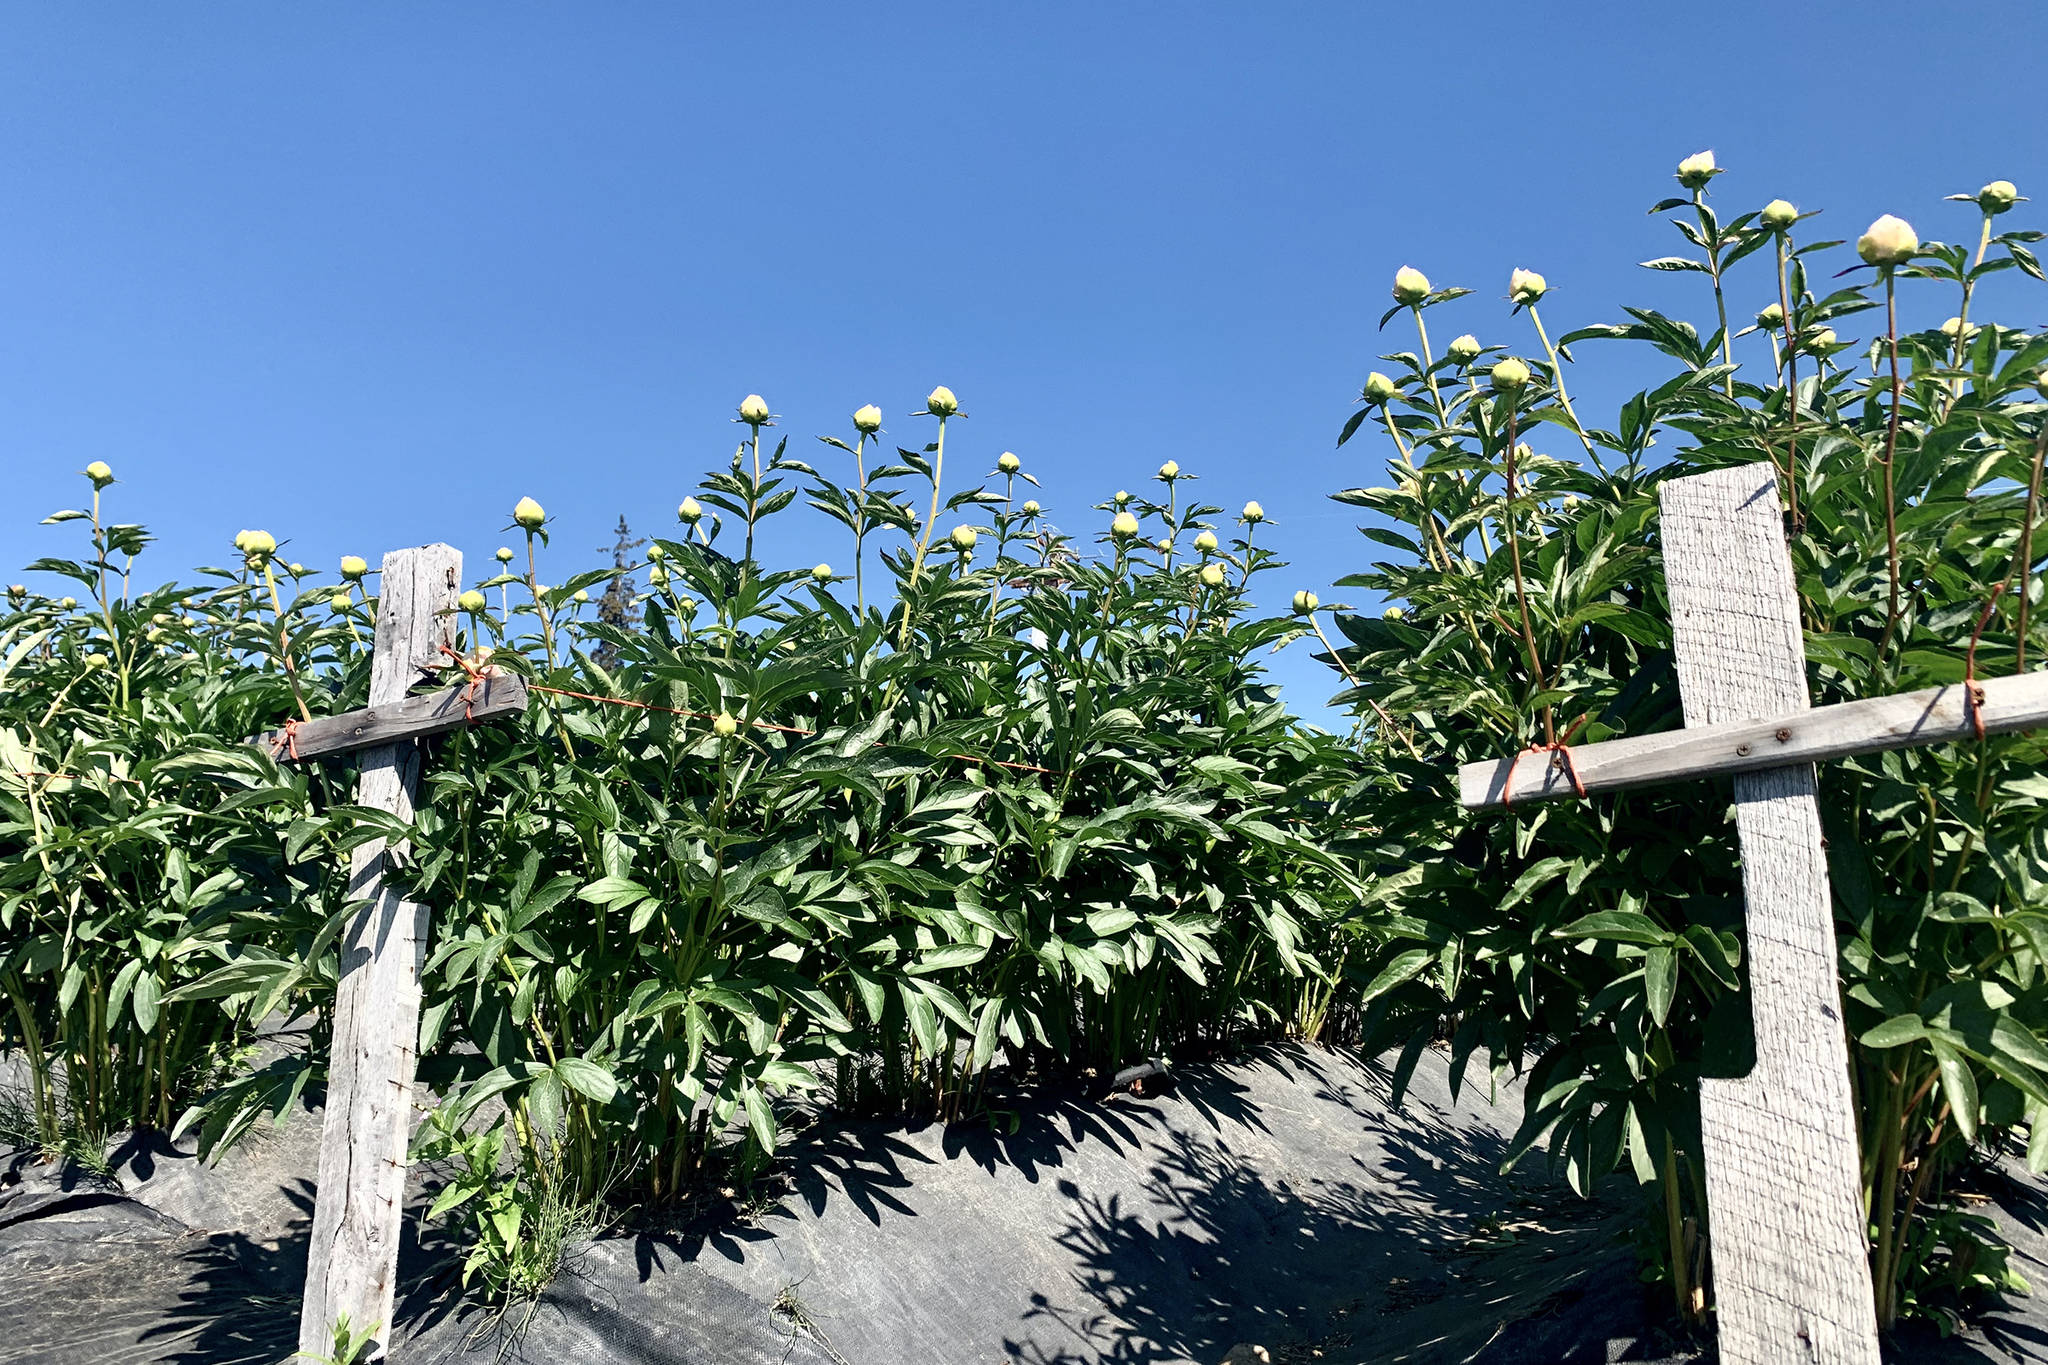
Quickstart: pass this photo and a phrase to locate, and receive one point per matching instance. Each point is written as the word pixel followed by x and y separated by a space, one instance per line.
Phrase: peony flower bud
pixel 1820 338
pixel 724 726
pixel 1125 525
pixel 1305 602
pixel 504 554
pixel 528 513
pixel 1206 542
pixel 1393 613
pixel 1525 287
pixel 1254 513
pixel 1411 286
pixel 1379 388
pixel 754 410
pixel 1170 471
pixel 1696 170
pixel 658 576
pixel 580 595
pixel 941 402
pixel 17 591
pixel 822 573
pixel 1212 575
pixel 963 538
pixel 1464 349
pixel 1954 327
pixel 95 660
pixel 68 603
pixel 1031 507
pixel 868 419
pixel 472 601
pixel 296 569
pixel 1008 463
pixel 354 567
pixel 656 553
pixel 259 545
pixel 1510 376
pixel 1779 215
pixel 1121 497
pixel 1889 241
pixel 242 541
pixel 1772 316
pixel 689 511
pixel 100 475
pixel 341 601
pixel 1994 198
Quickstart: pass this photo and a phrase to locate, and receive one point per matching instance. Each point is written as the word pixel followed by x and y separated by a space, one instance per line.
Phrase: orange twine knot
pixel 287 741
pixel 1973 691
pixel 1561 757
pixel 469 692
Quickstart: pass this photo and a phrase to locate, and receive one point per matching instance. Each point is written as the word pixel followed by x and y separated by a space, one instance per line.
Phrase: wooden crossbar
pixel 1933 716
pixel 431 713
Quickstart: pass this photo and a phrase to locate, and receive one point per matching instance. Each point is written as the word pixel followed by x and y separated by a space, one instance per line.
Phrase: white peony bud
pixel 1779 215
pixel 1411 286
pixel 1254 513
pixel 1206 542
pixel 1889 241
pixel 472 601
pixel 528 513
pixel 941 402
pixel 100 475
pixel 1696 170
pixel 1008 463
pixel 1125 525
pixel 1510 376
pixel 868 419
pixel 1170 471
pixel 1305 602
pixel 754 410
pixel 1464 349
pixel 689 511
pixel 1526 287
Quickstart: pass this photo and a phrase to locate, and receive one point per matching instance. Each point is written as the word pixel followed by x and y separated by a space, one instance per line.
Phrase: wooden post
pixel 1784 1187
pixel 352 1264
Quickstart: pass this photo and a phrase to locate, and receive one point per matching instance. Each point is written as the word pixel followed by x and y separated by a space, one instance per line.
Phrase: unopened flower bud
pixel 1772 316
pixel 1206 542
pixel 528 513
pixel 1696 170
pixel 242 541
pixel 1994 198
pixel 822 573
pixel 581 595
pixel 1254 513
pixel 868 419
pixel 68 603
pixel 1170 470
pixel 100 475
pixel 472 601
pixel 17 591
pixel 504 554
pixel 1820 339
pixel 1526 287
pixel 1121 497
pixel 354 567
pixel 963 538
pixel 754 410
pixel 1379 388
pixel 1889 241
pixel 1954 327
pixel 658 576
pixel 1411 286
pixel 341 601
pixel 1125 525
pixel 1031 507
pixel 1393 613
pixel 95 660
pixel 259 545
pixel 296 569
pixel 1212 575
pixel 1008 463
pixel 1305 602
pixel 941 402
pixel 656 553
pixel 1464 349
pixel 689 511
pixel 1779 215
pixel 1510 376
pixel 724 726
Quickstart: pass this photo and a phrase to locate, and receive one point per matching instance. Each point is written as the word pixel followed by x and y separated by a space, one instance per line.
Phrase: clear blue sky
pixel 363 275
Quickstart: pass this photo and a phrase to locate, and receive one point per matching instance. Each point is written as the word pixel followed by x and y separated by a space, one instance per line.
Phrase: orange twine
pixel 1556 746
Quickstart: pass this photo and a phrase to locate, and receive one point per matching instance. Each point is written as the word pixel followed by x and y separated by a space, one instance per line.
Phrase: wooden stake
pixel 352 1263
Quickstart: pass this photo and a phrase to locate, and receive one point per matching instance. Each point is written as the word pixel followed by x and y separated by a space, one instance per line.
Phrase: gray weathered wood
pixel 353 1258
pixel 1868 726
pixel 495 694
pixel 1790 1259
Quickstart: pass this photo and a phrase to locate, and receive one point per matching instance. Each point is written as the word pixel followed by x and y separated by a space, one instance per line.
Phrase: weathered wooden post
pixel 1789 1246
pixel 352 1262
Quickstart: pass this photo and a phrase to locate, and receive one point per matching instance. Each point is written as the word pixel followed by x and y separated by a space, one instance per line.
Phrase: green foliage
pixel 1600 941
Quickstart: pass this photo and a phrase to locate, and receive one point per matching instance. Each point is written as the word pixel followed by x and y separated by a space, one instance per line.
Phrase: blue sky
pixel 365 275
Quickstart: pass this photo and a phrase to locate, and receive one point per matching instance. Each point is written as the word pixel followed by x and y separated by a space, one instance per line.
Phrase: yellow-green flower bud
pixel 1889 241
pixel 473 601
pixel 1994 198
pixel 68 603
pixel 581 595
pixel 100 475
pixel 341 601
pixel 689 511
pixel 963 538
pixel 941 402
pixel 504 554
pixel 658 576
pixel 1163 545
pixel 528 513
pixel 821 573
pixel 754 410
pixel 1772 316
pixel 1031 507
pixel 1820 339
pixel 17 591
pixel 242 540
pixel 1212 575
pixel 1305 602
pixel 260 545
pixel 1779 215
pixel 1379 388
pixel 1696 170
pixel 296 569
pixel 1464 349
pixel 1254 513
pixel 354 567
pixel 1008 463
pixel 1170 471
pixel 1125 526
pixel 724 726
pixel 95 660
pixel 1121 497
pixel 1526 287
pixel 1411 286
pixel 656 553
pixel 1510 376
pixel 868 419
pixel 1206 542
pixel 1393 613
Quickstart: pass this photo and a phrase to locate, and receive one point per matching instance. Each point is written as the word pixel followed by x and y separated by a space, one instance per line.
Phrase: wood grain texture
pixel 432 713
pixel 352 1262
pixel 1931 716
pixel 1784 1196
